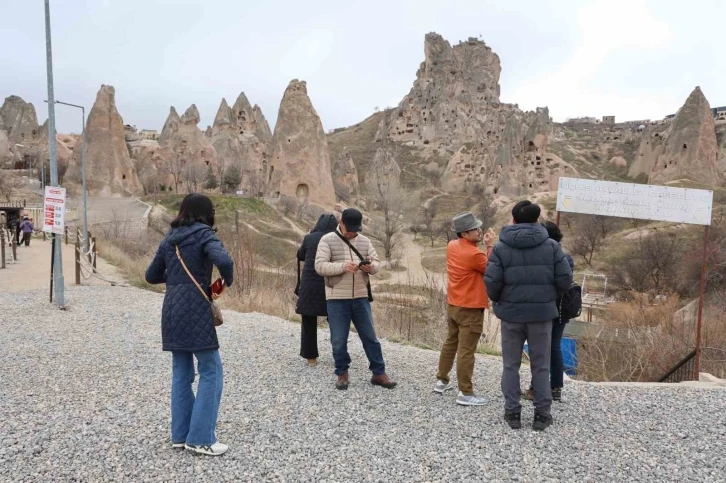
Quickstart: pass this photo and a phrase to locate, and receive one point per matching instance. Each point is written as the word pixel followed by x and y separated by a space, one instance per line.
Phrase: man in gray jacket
pixel 527 271
pixel 347 277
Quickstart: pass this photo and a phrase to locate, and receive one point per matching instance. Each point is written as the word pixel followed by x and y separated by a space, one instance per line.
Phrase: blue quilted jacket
pixel 186 318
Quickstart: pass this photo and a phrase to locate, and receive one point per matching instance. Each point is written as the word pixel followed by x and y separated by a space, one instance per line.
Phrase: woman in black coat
pixel 187 326
pixel 311 302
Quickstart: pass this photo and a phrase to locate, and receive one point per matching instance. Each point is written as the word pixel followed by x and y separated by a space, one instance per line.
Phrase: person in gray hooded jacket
pixel 526 272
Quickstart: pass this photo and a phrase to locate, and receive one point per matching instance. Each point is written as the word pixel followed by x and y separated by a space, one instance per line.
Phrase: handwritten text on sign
pixel 627 200
pixel 54 209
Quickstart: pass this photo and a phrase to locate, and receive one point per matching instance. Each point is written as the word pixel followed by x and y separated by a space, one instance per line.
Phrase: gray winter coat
pixel 526 272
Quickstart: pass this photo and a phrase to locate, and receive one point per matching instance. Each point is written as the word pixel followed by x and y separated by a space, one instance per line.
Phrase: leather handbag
pixel 216 311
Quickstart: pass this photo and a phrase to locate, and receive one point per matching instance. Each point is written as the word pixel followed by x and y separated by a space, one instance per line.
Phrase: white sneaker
pixel 216 449
pixel 472 400
pixel 441 387
pixel 177 445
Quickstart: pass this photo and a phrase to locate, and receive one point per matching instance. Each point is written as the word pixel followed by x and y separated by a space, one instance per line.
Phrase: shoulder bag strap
pixel 347 242
pixel 178 255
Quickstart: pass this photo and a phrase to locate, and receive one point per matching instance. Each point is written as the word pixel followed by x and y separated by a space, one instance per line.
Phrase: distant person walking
pixel 347 259
pixel 311 302
pixel 527 271
pixel 557 366
pixel 15 230
pixel 187 325
pixel 27 228
pixel 467 299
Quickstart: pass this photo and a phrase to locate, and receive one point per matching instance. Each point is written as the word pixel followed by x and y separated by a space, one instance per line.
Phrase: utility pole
pixel 83 174
pixel 58 282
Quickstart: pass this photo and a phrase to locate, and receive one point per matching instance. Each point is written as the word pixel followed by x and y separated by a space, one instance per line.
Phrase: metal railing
pixel 685 370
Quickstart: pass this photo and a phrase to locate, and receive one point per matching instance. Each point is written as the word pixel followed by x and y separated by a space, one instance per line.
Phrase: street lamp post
pixel 58 281
pixel 83 174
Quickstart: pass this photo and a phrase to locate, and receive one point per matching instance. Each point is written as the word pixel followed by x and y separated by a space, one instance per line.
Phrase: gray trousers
pixel 539 337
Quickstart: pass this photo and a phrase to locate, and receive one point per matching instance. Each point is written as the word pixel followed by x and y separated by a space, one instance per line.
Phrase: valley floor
pixel 86 398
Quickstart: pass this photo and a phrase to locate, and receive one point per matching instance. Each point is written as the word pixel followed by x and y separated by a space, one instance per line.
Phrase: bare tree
pixel 193 175
pixel 9 184
pixel 392 202
pixel 587 238
pixel 650 264
pixel 486 211
pixel 176 167
pixel 428 221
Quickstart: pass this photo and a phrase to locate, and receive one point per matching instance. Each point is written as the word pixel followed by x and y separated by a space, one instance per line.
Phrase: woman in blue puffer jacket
pixel 187 326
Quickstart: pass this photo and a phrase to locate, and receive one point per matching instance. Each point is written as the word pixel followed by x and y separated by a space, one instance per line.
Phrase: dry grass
pixel 643 342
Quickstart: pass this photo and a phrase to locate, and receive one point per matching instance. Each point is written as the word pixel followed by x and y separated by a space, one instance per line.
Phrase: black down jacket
pixel 311 298
pixel 525 273
pixel 186 318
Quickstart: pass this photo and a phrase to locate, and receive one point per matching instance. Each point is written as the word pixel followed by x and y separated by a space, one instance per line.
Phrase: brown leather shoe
pixel 383 381
pixel 342 382
pixel 312 362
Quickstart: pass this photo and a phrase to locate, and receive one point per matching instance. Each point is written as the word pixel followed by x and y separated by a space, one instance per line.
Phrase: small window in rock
pixel 685 146
pixel 530 185
pixel 538 158
pixel 496 190
pixel 123 176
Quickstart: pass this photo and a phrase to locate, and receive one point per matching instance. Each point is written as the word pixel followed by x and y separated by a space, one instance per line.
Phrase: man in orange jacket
pixel 467 299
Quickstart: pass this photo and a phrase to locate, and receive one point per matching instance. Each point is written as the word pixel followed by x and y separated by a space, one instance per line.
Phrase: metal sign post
pixel 57 254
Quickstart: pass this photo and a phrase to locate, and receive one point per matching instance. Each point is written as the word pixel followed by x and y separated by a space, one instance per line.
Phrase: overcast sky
pixel 635 59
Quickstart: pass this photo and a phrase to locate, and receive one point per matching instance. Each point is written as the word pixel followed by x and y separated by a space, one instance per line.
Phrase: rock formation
pixel 187 152
pixel 109 169
pixel 686 148
pixel 384 175
pixel 300 162
pixel 345 178
pixel 453 110
pixel 19 120
pixel 171 125
pixel 241 137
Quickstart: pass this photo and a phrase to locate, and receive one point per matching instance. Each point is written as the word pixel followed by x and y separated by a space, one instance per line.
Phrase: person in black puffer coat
pixel 527 271
pixel 311 302
pixel 187 326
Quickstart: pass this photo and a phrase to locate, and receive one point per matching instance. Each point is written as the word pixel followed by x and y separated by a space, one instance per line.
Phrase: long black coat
pixel 525 273
pixel 311 298
pixel 186 317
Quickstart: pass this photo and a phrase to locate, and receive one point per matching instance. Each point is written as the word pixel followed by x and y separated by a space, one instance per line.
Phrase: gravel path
pixel 85 397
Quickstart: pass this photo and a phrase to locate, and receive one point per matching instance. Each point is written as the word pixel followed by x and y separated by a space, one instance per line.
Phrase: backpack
pixel 569 305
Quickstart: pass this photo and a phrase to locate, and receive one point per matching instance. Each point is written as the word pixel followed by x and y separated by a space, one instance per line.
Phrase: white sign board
pixel 641 201
pixel 54 210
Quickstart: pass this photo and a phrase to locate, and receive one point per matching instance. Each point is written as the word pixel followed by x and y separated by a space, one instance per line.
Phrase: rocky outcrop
pixel 721 140
pixel 686 149
pixel 170 125
pixel 193 153
pixel 385 174
pixel 300 163
pixel 109 168
pixel 19 120
pixel 453 110
pixel 345 178
pixel 240 136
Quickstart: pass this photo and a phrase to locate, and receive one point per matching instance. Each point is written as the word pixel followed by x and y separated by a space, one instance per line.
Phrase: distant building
pixel 719 112
pixel 151 134
pixel 582 120
pixel 608 119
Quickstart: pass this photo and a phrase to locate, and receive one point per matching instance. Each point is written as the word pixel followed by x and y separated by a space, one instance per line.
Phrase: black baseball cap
pixel 353 220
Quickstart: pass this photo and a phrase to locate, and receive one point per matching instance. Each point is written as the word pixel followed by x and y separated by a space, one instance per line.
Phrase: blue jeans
pixel 193 419
pixel 340 314
pixel 557 366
